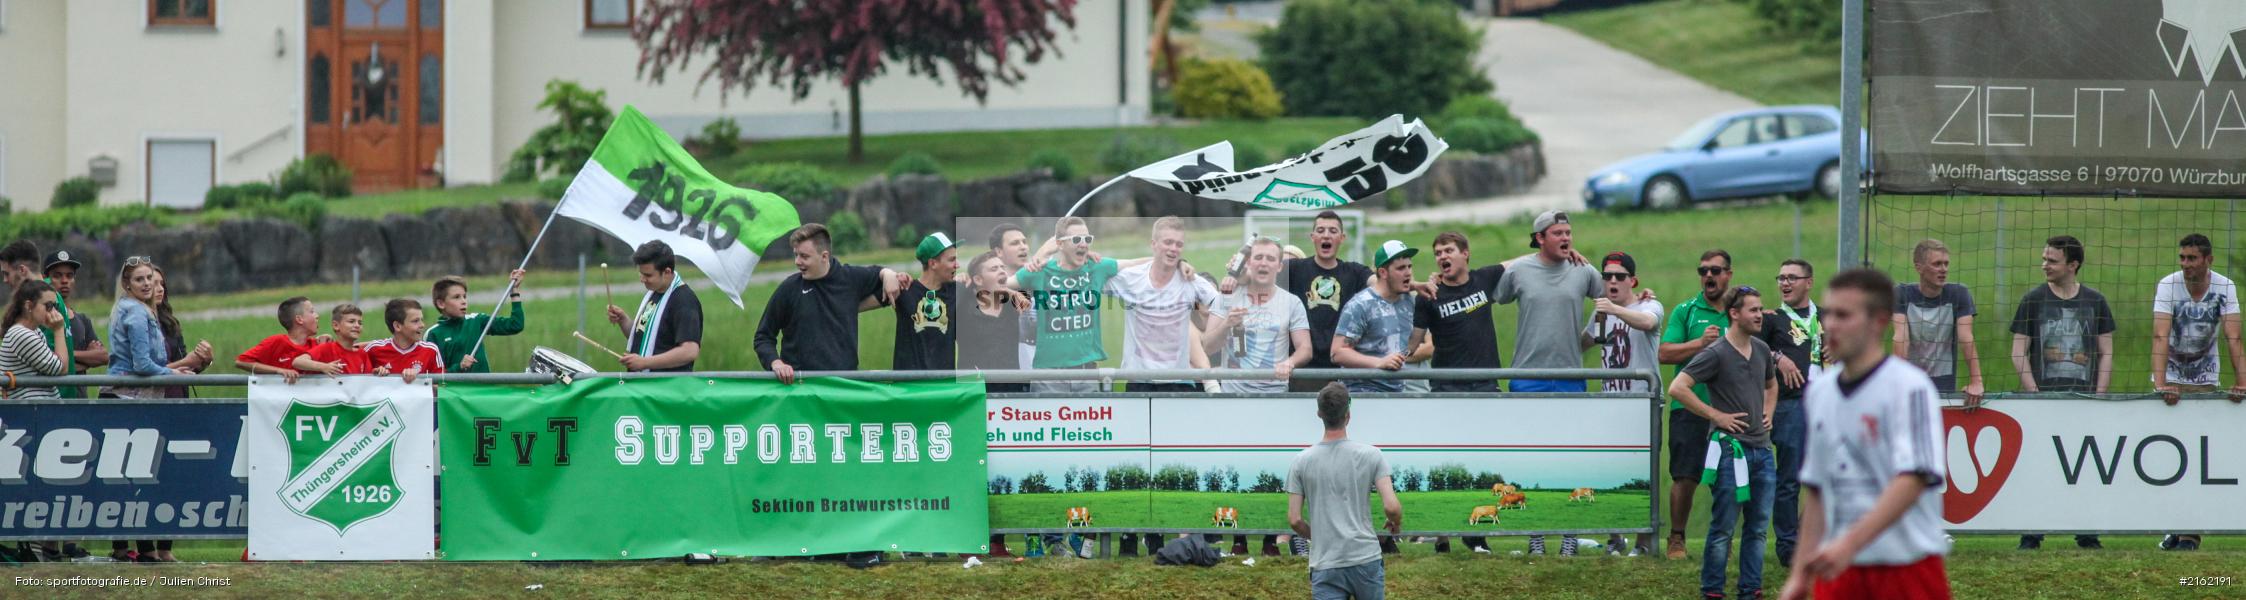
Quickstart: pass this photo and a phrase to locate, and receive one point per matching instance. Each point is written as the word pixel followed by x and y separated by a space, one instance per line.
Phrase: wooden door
pixel 374 82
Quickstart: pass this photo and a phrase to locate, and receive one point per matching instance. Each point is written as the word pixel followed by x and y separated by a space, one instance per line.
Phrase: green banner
pixel 651 468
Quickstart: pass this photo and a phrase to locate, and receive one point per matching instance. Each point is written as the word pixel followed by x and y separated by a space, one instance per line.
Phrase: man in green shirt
pixel 1066 286
pixel 458 330
pixel 1692 325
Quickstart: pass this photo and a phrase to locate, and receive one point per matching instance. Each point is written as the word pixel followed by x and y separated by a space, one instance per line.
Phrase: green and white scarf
pixel 1717 442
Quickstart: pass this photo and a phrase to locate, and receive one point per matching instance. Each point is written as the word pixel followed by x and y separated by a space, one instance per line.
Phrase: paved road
pixel 1592 104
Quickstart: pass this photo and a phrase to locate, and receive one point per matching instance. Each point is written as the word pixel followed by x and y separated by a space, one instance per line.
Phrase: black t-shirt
pixel 1323 292
pixel 819 318
pixel 1465 334
pixel 1778 332
pixel 681 322
pixel 2063 337
pixel 988 342
pixel 925 328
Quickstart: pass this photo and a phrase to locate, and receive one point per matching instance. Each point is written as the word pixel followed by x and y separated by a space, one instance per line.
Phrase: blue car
pixel 1791 150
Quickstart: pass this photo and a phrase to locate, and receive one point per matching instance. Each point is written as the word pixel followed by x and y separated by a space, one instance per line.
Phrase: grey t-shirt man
pixel 1379 327
pixel 1735 384
pixel 1336 481
pixel 1933 328
pixel 1551 297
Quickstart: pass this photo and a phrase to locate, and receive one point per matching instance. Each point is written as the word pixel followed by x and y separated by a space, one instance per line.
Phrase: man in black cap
pixel 86 351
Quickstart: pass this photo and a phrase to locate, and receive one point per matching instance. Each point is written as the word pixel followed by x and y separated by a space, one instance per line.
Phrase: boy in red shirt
pixel 342 355
pixel 277 355
pixel 404 353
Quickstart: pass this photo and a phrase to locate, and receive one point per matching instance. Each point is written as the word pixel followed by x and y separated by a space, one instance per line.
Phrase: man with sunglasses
pixel 1797 344
pixel 1622 326
pixel 1066 283
pixel 1692 325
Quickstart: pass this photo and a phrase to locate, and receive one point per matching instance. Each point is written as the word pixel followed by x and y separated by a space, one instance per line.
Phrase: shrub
pixel 1812 19
pixel 1249 156
pixel 319 174
pixel 553 187
pixel 1486 479
pixel 1176 478
pixel 75 192
pixel 7 205
pixel 57 223
pixel 1128 151
pixel 720 139
pixel 1449 477
pixel 229 197
pixel 848 231
pixel 1266 483
pixel 1474 107
pixel 1034 483
pixel 1486 135
pixel 304 209
pixel 1128 478
pixel 794 181
pixel 1371 59
pixel 1054 161
pixel 581 117
pixel 907 236
pixel 1225 89
pixel 915 163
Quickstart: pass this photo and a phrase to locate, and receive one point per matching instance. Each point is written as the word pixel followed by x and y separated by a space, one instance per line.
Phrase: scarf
pixel 1717 441
pixel 1816 333
pixel 648 321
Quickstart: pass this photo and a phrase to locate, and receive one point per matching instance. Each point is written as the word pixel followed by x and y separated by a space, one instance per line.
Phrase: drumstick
pixel 581 337
pixel 605 285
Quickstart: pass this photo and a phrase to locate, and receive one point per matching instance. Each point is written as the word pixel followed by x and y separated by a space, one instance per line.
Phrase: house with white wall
pixel 161 99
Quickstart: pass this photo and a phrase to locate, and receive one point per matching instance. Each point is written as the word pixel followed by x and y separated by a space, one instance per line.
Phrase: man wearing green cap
pixel 924 327
pixel 1375 328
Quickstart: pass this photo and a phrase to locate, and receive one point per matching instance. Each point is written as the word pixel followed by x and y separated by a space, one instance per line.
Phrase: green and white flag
pixel 640 186
pixel 1343 170
pixel 341 469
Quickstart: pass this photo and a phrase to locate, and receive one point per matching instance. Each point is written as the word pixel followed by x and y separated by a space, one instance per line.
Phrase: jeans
pixel 1362 582
pixel 1762 475
pixel 1789 430
pixel 1526 386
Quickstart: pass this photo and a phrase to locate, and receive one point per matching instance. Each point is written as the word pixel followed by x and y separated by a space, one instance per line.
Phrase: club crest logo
pixel 340 468
pixel 931 314
pixel 1324 291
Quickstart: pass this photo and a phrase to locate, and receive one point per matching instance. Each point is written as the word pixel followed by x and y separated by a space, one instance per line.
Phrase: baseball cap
pixel 932 246
pixel 1546 221
pixel 1629 264
pixel 59 258
pixel 1392 250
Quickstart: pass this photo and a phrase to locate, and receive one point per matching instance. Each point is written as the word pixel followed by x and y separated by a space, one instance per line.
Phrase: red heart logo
pixel 1959 506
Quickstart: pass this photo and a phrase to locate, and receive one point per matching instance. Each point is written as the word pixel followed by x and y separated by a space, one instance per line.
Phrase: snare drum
pixel 549 360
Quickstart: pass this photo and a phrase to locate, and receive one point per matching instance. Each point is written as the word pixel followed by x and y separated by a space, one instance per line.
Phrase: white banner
pixel 1342 170
pixel 2088 465
pixel 341 469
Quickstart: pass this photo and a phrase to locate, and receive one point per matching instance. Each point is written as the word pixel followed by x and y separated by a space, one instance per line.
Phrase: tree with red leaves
pixel 796 42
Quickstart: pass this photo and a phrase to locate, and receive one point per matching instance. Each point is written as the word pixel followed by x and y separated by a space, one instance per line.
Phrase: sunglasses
pixel 1746 290
pixel 134 261
pixel 1614 276
pixel 53 306
pixel 1712 271
pixel 1078 239
pixel 1792 278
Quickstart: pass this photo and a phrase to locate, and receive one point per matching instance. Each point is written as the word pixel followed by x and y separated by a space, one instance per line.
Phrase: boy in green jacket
pixel 457 329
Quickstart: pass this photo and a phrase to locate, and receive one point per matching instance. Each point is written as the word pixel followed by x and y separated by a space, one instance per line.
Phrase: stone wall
pixel 266 253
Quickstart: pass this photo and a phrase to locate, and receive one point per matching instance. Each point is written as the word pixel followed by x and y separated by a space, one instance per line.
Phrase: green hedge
pixel 796 182
pixel 1372 58
pixel 89 220
pixel 75 192
pixel 1225 89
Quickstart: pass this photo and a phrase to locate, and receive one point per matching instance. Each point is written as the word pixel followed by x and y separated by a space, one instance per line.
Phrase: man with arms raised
pixel 1872 483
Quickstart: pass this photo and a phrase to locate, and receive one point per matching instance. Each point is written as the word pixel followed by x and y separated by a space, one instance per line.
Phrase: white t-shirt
pixel 1264 337
pixel 1157 322
pixel 1888 424
pixel 2194 357
pixel 1628 347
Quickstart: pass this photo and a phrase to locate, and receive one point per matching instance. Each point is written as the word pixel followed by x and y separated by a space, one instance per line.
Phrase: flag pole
pixel 1088 196
pixel 511 283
